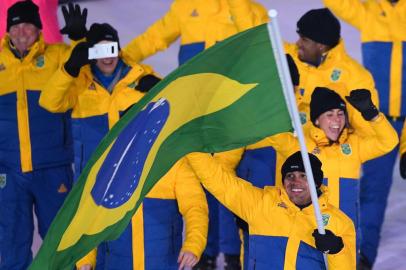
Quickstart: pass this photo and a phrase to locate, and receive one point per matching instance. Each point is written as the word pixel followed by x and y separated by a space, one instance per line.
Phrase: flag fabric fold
pixel 226 97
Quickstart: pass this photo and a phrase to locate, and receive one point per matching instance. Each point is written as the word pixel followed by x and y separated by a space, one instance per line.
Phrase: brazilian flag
pixel 226 97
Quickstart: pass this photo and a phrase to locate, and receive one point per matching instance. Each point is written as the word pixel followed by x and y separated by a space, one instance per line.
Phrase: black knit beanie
pixel 323 100
pixel 321 26
pixel 99 32
pixel 23 12
pixel 295 163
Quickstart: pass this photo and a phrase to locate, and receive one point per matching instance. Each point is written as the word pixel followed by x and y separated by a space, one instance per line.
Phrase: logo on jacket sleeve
pixel 92 86
pixel 346 149
pixel 325 218
pixel 62 188
pixel 3 180
pixel 335 75
pixel 194 13
pixel 40 61
pixel 2 67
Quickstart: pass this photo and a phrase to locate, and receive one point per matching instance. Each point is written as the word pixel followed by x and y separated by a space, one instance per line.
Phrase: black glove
pixel 402 165
pixel 328 243
pixel 75 22
pixel 361 100
pixel 147 82
pixel 294 72
pixel 78 58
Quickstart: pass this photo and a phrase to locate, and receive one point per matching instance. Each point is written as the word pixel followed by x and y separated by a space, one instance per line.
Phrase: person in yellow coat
pixel 322 61
pixel 341 150
pixel 198 23
pixel 383 36
pixel 99 93
pixel 36 150
pixel 282 225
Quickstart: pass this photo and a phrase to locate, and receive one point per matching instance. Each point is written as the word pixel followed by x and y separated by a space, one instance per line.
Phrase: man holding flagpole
pixel 281 221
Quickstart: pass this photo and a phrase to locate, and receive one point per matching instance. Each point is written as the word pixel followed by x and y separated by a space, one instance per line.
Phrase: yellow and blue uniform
pixel 154 237
pixel 341 161
pixel 279 231
pixel 198 23
pixel 94 109
pixel 338 72
pixel 35 149
pixel 383 36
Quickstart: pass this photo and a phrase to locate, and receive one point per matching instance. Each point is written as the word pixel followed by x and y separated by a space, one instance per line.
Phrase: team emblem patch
pixel 40 61
pixel 3 180
pixel 301 91
pixel 326 219
pixel 303 117
pixel 335 75
pixel 346 149
pixel 2 67
pixel 132 85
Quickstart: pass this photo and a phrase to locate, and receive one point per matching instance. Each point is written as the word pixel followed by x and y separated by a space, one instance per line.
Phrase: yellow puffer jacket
pixel 383 37
pixel 94 109
pixel 338 72
pixel 31 138
pixel 275 223
pixel 341 161
pixel 199 24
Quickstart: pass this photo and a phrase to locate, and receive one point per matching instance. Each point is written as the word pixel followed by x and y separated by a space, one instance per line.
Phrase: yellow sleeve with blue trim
pixel 385 139
pixel 58 94
pixel 192 205
pixel 238 195
pixel 156 38
pixel 351 11
pixel 247 14
pixel 90 258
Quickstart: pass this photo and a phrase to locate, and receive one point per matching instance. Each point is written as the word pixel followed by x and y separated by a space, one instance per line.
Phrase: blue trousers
pixel 44 190
pixel 376 182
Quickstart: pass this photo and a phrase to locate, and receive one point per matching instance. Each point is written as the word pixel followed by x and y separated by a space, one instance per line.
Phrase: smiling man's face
pixel 297 188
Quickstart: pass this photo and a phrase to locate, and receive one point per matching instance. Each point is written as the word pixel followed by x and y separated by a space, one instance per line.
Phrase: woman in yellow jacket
pixel 98 94
pixel 281 219
pixel 341 150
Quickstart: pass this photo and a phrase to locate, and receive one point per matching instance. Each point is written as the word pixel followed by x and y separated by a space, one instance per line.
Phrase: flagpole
pixel 283 70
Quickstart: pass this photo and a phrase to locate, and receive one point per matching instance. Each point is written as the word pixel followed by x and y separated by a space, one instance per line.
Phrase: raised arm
pixel 384 138
pixel 236 194
pixel 157 37
pixel 247 14
pixel 351 11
